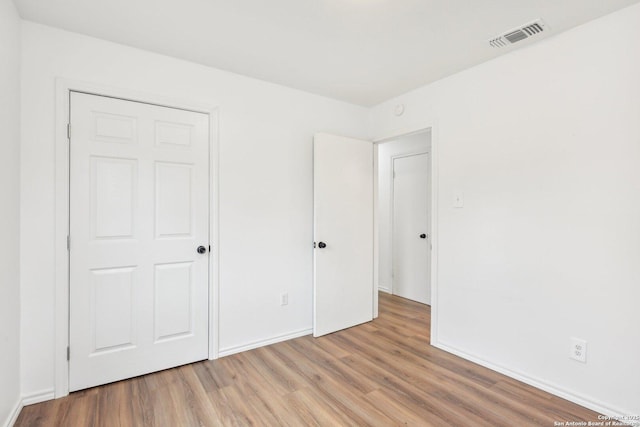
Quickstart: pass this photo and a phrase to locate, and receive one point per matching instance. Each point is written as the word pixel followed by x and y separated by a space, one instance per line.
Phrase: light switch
pixel 458 200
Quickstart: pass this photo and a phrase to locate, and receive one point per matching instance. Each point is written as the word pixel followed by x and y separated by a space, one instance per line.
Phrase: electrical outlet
pixel 284 299
pixel 578 350
pixel 458 200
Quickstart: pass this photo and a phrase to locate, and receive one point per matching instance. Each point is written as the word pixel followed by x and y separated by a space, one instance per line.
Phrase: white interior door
pixel 343 235
pixel 411 234
pixel 139 178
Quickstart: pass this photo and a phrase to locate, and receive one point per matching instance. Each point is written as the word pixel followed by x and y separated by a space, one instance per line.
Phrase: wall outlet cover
pixel 458 200
pixel 284 298
pixel 578 350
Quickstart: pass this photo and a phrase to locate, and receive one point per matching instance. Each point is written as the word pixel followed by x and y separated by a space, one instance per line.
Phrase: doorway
pixel 404 216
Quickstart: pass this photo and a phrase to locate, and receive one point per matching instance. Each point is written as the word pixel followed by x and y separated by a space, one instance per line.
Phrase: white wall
pixel 544 143
pixel 407 144
pixel 9 210
pixel 266 199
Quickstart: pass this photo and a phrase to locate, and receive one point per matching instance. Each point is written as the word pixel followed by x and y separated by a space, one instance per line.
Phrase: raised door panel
pixel 174 213
pixel 113 197
pixel 114 128
pixel 173 135
pixel 113 320
pixel 173 300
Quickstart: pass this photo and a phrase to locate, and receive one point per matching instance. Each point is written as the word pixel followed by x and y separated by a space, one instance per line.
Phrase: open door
pixel 343 233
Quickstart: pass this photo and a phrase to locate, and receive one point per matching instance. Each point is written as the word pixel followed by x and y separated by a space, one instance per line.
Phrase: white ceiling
pixel 359 51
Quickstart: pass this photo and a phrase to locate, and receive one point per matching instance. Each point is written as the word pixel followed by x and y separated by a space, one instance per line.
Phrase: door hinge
pixel 209 248
pixel 69 131
pixel 68 353
pixel 68 243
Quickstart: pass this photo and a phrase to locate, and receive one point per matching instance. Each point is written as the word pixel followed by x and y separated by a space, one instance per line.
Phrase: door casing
pixel 61 327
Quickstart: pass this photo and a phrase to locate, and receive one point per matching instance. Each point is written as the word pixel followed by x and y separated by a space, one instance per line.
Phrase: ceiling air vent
pixel 518 34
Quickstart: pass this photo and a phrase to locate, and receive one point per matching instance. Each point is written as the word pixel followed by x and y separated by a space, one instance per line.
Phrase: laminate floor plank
pixel 342 390
pixel 283 379
pixel 332 366
pixel 418 400
pixel 403 415
pixel 308 404
pixel 221 406
pixel 382 373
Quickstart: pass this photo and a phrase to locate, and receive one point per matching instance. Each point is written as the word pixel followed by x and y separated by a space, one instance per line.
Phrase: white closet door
pixel 139 211
pixel 343 217
pixel 411 239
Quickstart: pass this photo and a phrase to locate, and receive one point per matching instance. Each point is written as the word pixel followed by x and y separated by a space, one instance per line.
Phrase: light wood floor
pixel 382 373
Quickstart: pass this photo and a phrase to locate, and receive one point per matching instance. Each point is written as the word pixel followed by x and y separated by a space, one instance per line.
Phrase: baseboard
pixel 13 415
pixel 250 346
pixel 26 400
pixel 40 396
pixel 384 289
pixel 601 408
